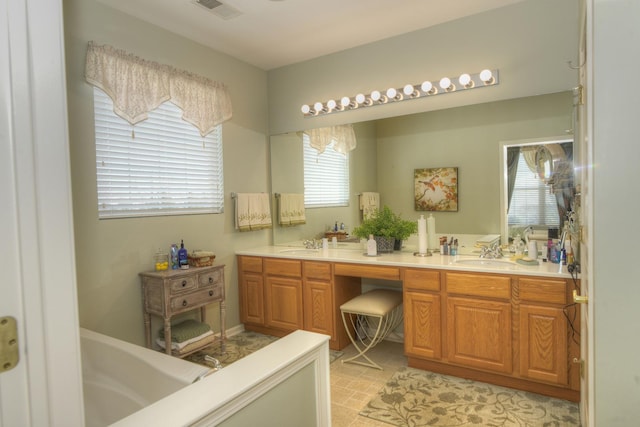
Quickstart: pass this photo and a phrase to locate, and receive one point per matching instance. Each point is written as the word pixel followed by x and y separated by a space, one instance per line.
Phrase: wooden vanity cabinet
pixel 317 295
pixel 479 321
pixel 543 327
pixel 251 290
pixel 283 294
pixel 422 313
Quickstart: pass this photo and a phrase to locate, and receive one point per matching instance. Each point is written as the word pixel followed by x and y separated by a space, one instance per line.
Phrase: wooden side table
pixel 171 292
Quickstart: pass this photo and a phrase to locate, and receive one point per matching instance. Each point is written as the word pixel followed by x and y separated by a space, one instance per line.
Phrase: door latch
pixel 578 299
pixel 9 353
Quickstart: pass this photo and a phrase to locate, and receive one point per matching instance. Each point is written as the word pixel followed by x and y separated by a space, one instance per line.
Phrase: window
pixel 531 202
pixel 326 177
pixel 160 166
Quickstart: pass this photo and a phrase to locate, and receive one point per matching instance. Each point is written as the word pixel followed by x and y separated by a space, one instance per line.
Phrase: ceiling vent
pixel 219 9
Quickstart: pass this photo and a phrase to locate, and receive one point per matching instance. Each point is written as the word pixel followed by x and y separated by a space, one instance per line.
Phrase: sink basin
pixel 299 251
pixel 484 261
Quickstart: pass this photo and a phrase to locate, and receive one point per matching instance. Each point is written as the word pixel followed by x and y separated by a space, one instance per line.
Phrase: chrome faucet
pixel 312 244
pixel 216 367
pixel 491 252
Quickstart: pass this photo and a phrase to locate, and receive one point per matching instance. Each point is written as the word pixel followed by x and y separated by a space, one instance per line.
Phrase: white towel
pixel 369 203
pixel 252 211
pixel 292 209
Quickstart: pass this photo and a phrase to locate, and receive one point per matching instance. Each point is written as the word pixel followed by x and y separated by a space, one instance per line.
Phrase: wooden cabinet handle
pixel 210 280
pixel 184 283
pixel 210 293
pixel 184 303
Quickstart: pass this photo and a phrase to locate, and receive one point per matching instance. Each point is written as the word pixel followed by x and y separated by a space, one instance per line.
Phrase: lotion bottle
pixel 372 248
pixel 183 259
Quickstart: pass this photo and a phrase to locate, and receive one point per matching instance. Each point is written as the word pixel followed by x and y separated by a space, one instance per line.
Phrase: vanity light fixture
pixel 466 81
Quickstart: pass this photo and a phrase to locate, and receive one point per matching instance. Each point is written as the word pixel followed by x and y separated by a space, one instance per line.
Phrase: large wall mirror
pixel 389 150
pixel 537 186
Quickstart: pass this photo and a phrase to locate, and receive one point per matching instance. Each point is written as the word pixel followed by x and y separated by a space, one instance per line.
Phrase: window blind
pixel 531 202
pixel 162 166
pixel 326 177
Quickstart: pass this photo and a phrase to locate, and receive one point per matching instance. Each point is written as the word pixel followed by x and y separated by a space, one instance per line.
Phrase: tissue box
pixel 201 258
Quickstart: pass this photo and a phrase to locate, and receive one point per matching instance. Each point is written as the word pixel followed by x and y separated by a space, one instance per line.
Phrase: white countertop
pixel 405 258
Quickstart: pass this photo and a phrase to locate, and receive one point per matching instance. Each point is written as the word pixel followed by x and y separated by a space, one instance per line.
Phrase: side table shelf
pixel 171 292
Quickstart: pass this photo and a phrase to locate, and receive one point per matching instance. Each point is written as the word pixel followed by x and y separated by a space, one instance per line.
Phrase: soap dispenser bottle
pixel 372 248
pixel 183 259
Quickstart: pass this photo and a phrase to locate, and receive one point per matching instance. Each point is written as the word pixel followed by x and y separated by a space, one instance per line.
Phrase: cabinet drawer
pixel 182 284
pixel 194 299
pixel 479 285
pixel 211 278
pixel 250 263
pixel 426 280
pixel 317 270
pixel 543 290
pixel 283 267
pixel 363 270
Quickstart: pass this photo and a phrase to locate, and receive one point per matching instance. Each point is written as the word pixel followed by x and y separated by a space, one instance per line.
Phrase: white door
pixel 37 283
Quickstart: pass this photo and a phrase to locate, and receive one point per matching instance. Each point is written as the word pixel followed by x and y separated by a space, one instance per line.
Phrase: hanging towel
pixel 369 203
pixel 291 209
pixel 252 211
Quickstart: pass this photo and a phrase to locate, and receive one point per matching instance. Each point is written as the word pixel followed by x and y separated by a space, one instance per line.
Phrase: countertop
pixel 405 258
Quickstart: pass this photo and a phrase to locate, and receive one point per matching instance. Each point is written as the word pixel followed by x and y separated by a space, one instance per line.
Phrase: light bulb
pixel 465 80
pixel 318 107
pixel 305 109
pixel 428 88
pixel 360 98
pixel 331 104
pixel 487 77
pixel 391 93
pixel 409 90
pixel 375 95
pixel 345 101
pixel 445 83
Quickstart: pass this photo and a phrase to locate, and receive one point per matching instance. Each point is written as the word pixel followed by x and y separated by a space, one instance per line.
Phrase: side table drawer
pixel 195 299
pixel 182 284
pixel 211 278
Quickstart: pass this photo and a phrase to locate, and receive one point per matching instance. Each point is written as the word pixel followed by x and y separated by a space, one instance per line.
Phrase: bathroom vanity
pixel 494 320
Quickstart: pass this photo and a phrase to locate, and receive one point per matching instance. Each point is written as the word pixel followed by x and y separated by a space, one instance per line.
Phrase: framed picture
pixel 436 189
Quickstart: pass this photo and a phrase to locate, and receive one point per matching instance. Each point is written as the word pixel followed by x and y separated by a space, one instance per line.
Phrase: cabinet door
pixel 283 303
pixel 318 307
pixel 479 333
pixel 543 344
pixel 251 299
pixel 422 324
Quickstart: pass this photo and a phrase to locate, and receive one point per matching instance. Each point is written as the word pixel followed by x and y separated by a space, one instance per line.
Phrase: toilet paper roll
pixel 422 235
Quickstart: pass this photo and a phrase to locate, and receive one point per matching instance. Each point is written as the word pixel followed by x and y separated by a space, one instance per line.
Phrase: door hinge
pixel 9 353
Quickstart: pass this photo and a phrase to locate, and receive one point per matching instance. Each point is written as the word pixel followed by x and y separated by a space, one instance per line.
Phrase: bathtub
pixel 120 378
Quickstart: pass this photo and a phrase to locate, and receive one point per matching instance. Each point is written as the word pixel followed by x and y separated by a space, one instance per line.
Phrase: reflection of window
pixel 531 202
pixel 326 176
pixel 162 166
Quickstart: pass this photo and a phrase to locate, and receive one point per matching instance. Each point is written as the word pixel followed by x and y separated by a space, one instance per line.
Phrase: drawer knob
pixel 184 283
pixel 210 293
pixel 210 280
pixel 184 303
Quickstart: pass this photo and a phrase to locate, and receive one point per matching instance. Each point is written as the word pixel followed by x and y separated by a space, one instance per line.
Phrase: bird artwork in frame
pixel 436 189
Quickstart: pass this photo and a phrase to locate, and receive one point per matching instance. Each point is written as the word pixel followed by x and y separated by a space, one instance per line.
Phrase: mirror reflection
pixel 389 150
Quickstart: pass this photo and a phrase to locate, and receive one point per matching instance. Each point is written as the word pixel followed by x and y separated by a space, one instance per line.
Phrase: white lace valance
pixel 137 86
pixel 343 137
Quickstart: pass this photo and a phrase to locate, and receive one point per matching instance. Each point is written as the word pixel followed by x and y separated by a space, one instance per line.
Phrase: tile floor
pixel 353 386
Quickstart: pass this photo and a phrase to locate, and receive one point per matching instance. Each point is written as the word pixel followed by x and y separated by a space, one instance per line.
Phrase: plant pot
pixel 384 244
pixel 397 245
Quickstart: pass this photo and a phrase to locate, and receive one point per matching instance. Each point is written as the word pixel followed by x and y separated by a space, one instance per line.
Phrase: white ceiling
pixel 274 33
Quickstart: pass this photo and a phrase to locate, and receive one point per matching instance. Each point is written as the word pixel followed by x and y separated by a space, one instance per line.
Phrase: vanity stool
pixel 368 319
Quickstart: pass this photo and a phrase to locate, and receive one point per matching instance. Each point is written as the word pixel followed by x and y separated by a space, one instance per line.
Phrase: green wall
pixel 111 253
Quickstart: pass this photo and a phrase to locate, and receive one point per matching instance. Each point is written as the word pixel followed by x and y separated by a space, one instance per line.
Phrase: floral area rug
pixel 415 398
pixel 238 346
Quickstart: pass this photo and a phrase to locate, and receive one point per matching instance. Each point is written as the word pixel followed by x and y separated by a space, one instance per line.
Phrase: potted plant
pixel 386 227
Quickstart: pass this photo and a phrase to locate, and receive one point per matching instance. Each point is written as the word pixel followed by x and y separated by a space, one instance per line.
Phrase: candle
pixel 431 231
